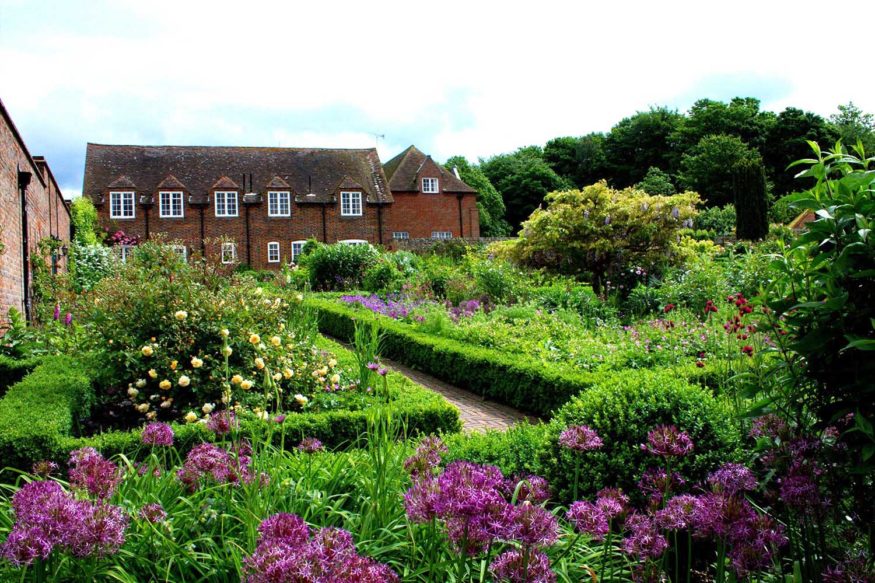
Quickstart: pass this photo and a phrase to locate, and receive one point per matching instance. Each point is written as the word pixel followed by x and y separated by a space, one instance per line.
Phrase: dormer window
pixel 170 205
pixel 430 186
pixel 350 204
pixel 121 205
pixel 226 203
pixel 278 203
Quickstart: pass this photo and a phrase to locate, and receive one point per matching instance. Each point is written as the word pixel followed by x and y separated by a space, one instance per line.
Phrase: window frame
pixel 233 247
pixel 354 242
pixel 183 249
pixel 161 213
pixel 442 235
pixel 275 246
pixel 122 195
pixel 405 235
pixel 280 194
pixel 437 185
pixel 295 256
pixel 348 194
pixel 224 195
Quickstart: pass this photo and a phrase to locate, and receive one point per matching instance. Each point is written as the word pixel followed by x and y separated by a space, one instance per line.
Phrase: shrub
pixel 782 210
pixel 517 450
pixel 89 264
pixel 719 220
pixel 622 408
pixel 340 266
pixel 498 281
pixel 383 277
pixel 13 370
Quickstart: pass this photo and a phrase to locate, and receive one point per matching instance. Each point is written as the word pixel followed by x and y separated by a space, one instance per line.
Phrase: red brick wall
pixel 47 215
pixel 420 214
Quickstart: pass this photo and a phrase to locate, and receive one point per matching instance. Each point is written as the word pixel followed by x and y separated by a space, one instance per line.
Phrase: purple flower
pixel 529 488
pixel 157 434
pixel 420 501
pixel 153 513
pixel 529 524
pixel 207 461
pixel 580 438
pixel 382 371
pixel 678 512
pixel 770 426
pixel 222 422
pixel 667 441
pixel 612 501
pixel 645 540
pixel 24 545
pixel 655 482
pixel 45 468
pixel 57 315
pixel 68 319
pixel 426 457
pixel 732 479
pixel 373 366
pixel 279 418
pixel 518 567
pixel 311 445
pixel 799 489
pixel 286 528
pixel 589 518
pixel 91 472
pixel 101 533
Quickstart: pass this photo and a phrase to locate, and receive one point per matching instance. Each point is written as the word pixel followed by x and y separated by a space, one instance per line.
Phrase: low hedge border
pixel 13 370
pixel 527 385
pixel 38 417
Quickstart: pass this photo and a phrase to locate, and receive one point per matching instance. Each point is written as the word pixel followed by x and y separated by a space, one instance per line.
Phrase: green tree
pixel 708 167
pixel 751 200
pixel 86 228
pixel 787 140
pixel 853 125
pixel 741 117
pixel 639 142
pixel 598 230
pixel 489 202
pixel 656 182
pixel 523 178
pixel 581 161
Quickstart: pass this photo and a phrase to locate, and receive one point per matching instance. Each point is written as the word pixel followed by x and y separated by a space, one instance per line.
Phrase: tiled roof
pixel 171 182
pixel 122 182
pixel 277 182
pixel 403 173
pixel 202 168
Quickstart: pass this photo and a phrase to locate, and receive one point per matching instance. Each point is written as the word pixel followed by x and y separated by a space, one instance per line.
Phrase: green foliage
pixel 720 221
pixel 520 449
pixel 751 201
pixel 13 370
pixel 622 409
pixel 89 264
pixel 854 126
pixel 787 140
pixel 339 266
pixel 708 168
pixel 741 117
pixel 498 280
pixel 489 202
pixel 638 142
pixel 581 161
pixel 523 179
pixel 782 210
pixel 86 227
pixel 602 231
pixel 383 277
pixel 656 182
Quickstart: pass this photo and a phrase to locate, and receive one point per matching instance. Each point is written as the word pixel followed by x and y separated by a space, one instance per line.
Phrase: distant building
pixel 259 205
pixel 31 209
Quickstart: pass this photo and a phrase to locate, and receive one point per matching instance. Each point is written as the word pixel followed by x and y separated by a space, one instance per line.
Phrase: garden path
pixel 476 413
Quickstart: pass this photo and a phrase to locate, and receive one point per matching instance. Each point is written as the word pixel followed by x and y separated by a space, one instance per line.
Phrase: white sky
pixel 472 78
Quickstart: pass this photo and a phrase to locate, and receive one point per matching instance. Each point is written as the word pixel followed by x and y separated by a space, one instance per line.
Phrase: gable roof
pixel 403 171
pixel 122 182
pixel 304 170
pixel 171 182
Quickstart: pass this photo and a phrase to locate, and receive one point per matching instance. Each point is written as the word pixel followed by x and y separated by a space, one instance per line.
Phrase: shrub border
pixel 13 370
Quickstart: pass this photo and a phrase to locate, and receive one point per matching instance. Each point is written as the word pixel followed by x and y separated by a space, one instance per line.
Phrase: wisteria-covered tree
pixel 600 230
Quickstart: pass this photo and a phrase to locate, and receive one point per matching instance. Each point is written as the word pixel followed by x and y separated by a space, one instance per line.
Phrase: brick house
pixel 259 205
pixel 31 209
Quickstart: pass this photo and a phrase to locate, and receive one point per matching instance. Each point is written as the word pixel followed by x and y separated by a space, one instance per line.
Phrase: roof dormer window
pixel 350 204
pixel 430 186
pixel 226 203
pixel 278 203
pixel 170 204
pixel 121 205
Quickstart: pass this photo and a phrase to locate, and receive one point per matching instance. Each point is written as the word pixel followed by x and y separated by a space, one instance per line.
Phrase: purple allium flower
pixel 529 524
pixel 373 366
pixel 286 528
pixel 45 468
pixel 382 371
pixel 222 422
pixel 854 569
pixel 529 488
pixel 207 461
pixel 153 513
pixel 612 501
pixel 770 426
pixel 420 501
pixel 732 479
pixel 655 482
pixel 645 540
pixel 580 438
pixel 753 542
pixel 91 472
pixel 311 445
pixel 667 441
pixel 68 319
pixel 57 315
pixel 279 418
pixel 589 518
pixel 512 567
pixel 157 434
pixel 678 513
pixel 799 489
pixel 24 545
pixel 101 533
pixel 426 457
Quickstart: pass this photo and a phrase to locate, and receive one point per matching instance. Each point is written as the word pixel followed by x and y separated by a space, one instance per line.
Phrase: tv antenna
pixel 377 138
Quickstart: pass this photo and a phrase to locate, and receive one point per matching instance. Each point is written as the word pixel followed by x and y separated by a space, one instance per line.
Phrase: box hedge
pixel 39 416
pixel 13 370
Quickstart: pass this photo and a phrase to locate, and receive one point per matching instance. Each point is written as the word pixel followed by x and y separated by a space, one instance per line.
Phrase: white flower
pixel 196 362
pixel 277 376
pixel 141 383
pixel 180 315
pixel 132 392
pixel 226 351
pixel 225 333
pixel 166 403
pixel 184 381
pixel 208 408
pixel 263 415
pixel 301 399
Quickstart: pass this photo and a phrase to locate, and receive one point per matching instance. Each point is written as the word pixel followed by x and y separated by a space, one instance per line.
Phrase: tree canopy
pixel 489 202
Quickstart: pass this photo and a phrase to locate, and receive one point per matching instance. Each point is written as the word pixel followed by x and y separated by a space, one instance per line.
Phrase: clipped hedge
pixel 38 417
pixel 527 385
pixel 13 370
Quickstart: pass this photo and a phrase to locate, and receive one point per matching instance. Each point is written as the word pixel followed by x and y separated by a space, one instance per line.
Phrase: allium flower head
pixel 655 482
pixel 426 457
pixel 644 540
pixel 612 501
pixel 580 438
pixel 529 488
pixel 157 434
pixel 45 468
pixel 512 567
pixel 91 472
pixel 207 461
pixel 678 512
pixel 529 524
pixel 153 513
pixel 589 518
pixel 286 528
pixel 311 445
pixel 668 441
pixel 732 479
pixel 222 422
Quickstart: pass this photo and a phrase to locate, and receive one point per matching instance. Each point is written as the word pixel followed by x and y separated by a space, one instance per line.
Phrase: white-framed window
pixel 273 252
pixel 125 251
pixel 226 203
pixel 229 252
pixel 181 250
pixel 430 186
pixel 400 235
pixel 350 204
pixel 278 203
pixel 121 205
pixel 297 249
pixel 441 234
pixel 170 205
pixel 354 242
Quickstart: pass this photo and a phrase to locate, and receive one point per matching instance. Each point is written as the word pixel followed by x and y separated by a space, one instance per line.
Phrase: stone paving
pixel 476 413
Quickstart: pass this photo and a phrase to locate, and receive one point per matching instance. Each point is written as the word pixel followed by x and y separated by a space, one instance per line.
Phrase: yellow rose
pixel 153 373
pixel 259 363
pixel 173 364
pixel 184 381
pixel 226 351
pixel 277 376
pixel 323 371
pixel 225 333
pixel 332 363
pixel 141 383
pixel 151 415
pixel 246 385
pixel 335 378
pixel 276 340
pixel 236 379
pixel 166 403
pixel 299 298
pixel 143 407
pixel 196 362
pixel 132 392
pixel 301 399
pixel 254 338
pixel 181 315
pixel 208 408
pixel 147 350
pixel 164 385
pixel 191 417
pixel 287 373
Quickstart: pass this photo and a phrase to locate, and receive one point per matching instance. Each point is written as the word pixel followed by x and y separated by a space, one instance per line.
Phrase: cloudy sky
pixel 453 77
